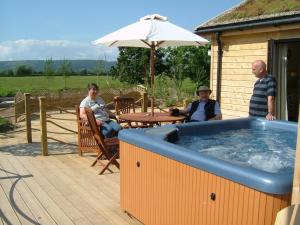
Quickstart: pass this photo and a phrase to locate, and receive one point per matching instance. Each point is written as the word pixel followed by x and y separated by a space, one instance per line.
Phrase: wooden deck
pixel 61 188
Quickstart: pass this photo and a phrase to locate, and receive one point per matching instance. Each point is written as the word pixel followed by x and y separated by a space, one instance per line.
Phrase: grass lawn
pixel 10 85
pixel 165 88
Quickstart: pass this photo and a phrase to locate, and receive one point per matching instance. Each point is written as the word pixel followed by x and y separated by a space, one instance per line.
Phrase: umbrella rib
pixel 145 42
pixel 199 43
pixel 159 43
pixel 112 43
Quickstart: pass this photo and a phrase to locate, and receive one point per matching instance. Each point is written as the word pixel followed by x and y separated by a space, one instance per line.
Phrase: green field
pixel 165 89
pixel 10 85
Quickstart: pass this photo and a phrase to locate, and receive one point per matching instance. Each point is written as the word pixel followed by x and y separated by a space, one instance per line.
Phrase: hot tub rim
pixel 263 181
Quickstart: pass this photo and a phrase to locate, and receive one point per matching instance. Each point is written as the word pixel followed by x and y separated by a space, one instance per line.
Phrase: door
pixel 284 64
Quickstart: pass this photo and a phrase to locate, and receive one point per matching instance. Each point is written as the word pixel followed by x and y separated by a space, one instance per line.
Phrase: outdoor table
pixel 147 118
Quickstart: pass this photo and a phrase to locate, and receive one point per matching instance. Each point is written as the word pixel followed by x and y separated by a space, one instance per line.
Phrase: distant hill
pixel 38 65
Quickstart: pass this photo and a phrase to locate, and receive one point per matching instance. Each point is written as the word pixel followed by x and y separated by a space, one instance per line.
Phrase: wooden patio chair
pixel 108 148
pixel 125 105
pixel 86 141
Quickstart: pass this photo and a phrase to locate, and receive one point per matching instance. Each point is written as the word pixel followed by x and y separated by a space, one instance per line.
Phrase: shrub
pixel 5 125
pixel 170 102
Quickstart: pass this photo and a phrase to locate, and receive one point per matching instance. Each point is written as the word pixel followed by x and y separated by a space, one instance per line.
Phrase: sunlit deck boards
pixel 58 189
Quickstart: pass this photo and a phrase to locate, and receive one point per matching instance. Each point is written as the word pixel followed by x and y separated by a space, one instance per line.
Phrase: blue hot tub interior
pixel 254 152
pixel 258 146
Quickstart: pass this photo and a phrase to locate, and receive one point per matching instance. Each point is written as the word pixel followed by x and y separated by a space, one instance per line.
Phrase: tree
pixel 133 64
pixel 10 72
pixel 23 70
pixel 177 64
pixel 162 86
pixel 199 65
pixel 83 72
pixel 65 69
pixel 48 68
pixel 99 69
pixel 188 62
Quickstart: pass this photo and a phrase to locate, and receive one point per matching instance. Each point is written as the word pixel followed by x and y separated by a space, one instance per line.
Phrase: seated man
pixel 108 127
pixel 203 109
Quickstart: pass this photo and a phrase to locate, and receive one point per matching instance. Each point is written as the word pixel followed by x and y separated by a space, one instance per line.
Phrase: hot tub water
pixel 264 148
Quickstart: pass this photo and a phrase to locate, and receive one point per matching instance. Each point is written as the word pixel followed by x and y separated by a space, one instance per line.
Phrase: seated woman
pixel 203 109
pixel 109 128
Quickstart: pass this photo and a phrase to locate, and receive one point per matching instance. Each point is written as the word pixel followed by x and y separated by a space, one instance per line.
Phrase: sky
pixel 39 29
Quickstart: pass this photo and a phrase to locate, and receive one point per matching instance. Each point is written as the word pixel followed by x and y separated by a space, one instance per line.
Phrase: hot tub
pixel 215 172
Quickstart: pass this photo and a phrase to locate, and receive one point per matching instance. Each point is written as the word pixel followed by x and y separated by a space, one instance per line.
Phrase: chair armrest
pixel 111 141
pixel 84 125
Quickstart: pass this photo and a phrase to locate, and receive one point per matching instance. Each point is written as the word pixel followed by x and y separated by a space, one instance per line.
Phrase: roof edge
pixel 221 14
pixel 249 24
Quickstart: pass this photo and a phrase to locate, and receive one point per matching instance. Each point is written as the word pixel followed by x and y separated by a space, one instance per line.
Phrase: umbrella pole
pixel 152 68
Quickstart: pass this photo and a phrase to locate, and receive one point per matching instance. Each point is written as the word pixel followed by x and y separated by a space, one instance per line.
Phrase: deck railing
pixel 25 106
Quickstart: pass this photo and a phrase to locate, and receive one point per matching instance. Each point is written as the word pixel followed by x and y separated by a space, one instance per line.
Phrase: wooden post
pixel 144 102
pixel 43 125
pixel 15 111
pixel 296 181
pixel 28 117
pixel 117 107
pixel 60 101
pixel 152 71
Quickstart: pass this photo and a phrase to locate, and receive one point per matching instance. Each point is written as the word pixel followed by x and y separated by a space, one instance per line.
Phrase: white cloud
pixel 57 49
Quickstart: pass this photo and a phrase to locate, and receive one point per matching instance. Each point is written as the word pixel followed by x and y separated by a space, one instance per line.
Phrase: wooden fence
pixel 26 104
pixel 61 100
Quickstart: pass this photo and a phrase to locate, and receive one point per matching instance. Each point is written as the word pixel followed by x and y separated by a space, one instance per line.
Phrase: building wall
pixel 240 49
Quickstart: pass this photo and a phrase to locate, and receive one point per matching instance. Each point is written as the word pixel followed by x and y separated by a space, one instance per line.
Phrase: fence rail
pixel 26 104
pixel 63 100
pixel 56 124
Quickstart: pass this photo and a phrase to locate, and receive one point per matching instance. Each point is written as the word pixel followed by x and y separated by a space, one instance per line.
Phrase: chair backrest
pixel 124 105
pixel 78 113
pixel 95 129
pixel 80 121
pixel 86 142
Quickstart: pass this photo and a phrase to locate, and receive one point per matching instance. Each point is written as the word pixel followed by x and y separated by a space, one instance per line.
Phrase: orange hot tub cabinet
pixel 160 191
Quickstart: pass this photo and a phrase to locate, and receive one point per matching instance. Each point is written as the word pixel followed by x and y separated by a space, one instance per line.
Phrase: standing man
pixel 262 102
pixel 109 128
pixel 203 109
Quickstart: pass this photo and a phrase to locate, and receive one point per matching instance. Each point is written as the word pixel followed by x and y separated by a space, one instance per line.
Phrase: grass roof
pixel 254 8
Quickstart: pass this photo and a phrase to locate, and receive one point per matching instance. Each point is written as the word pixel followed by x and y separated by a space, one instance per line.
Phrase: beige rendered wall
pixel 240 49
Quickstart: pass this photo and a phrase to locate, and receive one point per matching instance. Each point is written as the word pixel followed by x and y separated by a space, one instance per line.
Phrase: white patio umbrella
pixel 152 31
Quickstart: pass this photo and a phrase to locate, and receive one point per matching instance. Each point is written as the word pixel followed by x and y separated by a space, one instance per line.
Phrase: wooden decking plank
pixel 71 191
pixel 1 221
pixel 109 202
pixel 104 182
pixel 69 181
pixel 86 160
pixel 65 205
pixel 8 215
pixel 8 183
pixel 33 203
pixel 109 206
pixel 56 212
pixel 110 180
